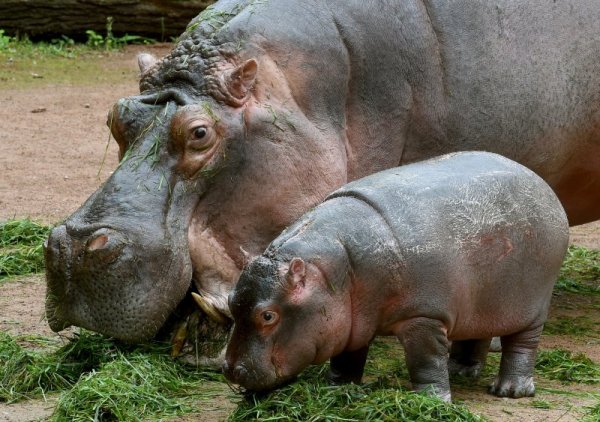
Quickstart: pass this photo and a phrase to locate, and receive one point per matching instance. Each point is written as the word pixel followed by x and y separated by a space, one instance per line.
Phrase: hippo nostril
pixel 239 372
pixel 105 245
pixel 97 242
pixel 56 240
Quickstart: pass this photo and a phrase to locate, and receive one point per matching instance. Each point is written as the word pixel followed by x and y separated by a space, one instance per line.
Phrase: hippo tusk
pixel 209 309
pixel 179 338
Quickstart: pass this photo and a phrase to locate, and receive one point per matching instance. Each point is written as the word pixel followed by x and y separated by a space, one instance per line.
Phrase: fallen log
pixel 158 19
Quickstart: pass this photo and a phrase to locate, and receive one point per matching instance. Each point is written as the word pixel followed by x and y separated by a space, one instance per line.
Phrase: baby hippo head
pixel 286 318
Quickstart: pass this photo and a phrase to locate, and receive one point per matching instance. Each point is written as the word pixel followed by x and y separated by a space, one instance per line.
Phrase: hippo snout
pixel 258 378
pixel 236 373
pixel 95 272
pixel 64 249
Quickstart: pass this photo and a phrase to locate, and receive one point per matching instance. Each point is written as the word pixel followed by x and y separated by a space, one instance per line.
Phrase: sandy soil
pixel 52 160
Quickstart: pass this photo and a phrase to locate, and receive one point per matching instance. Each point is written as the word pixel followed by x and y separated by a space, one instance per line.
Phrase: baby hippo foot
pixel 467 357
pixel 348 367
pixel 515 388
pixel 441 392
pixel 515 378
pixel 470 371
pixel 496 345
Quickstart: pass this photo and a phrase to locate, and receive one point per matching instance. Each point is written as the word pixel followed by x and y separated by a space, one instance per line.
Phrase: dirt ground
pixel 54 152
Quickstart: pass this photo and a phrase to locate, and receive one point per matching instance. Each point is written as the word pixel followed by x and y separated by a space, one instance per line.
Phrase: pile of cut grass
pixel 102 379
pixel 26 373
pixel 593 414
pixel 563 365
pixel 580 272
pixel 310 398
pixel 21 249
pixel 139 385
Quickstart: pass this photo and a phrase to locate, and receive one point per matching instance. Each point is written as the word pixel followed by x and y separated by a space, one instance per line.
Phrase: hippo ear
pixel 296 274
pixel 240 80
pixel 146 61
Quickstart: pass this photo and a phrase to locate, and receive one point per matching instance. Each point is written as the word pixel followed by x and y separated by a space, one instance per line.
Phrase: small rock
pixel 66 177
pixel 36 76
pixel 86 105
pixel 38 110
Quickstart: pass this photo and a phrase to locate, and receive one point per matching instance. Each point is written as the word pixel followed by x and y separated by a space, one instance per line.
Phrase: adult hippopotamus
pixel 462 247
pixel 265 107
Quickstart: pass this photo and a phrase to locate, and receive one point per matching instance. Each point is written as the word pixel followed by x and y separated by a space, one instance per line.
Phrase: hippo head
pixel 215 158
pixel 286 318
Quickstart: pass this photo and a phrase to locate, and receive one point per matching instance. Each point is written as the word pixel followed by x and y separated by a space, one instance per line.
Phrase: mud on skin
pixel 265 107
pixel 459 248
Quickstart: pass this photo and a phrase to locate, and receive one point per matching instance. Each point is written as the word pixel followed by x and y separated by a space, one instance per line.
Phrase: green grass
pixel 21 247
pixel 581 326
pixel 28 373
pixel 593 415
pixel 101 379
pixel 310 398
pixel 24 64
pixel 562 365
pixel 139 385
pixel 580 272
pixel 386 356
pixel 541 404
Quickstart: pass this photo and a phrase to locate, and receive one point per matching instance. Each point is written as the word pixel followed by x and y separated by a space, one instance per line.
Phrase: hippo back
pixel 457 195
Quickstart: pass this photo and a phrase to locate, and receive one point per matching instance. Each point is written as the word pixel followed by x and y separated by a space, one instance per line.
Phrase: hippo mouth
pixel 108 285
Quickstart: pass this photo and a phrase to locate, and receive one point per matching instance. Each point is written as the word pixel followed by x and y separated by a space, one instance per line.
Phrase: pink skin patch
pixel 98 243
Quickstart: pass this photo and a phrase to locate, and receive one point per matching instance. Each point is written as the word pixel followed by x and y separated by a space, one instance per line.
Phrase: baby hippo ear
pixel 240 80
pixel 296 274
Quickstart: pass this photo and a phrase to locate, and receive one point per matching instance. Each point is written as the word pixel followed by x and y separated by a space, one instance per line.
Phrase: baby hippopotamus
pixel 460 248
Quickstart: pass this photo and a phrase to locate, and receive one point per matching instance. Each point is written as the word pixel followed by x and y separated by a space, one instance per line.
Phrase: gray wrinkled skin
pixel 302 97
pixel 459 248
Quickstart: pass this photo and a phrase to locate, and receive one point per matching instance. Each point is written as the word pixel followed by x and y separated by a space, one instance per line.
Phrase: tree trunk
pixel 158 19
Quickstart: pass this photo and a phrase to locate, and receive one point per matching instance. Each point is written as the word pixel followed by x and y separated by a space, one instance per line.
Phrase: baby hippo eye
pixel 269 317
pixel 200 132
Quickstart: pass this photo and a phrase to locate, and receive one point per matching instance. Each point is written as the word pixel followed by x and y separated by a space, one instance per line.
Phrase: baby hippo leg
pixel 515 378
pixel 467 357
pixel 426 351
pixel 348 366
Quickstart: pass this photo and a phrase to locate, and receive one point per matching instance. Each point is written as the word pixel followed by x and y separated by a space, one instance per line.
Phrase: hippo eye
pixel 269 317
pixel 200 132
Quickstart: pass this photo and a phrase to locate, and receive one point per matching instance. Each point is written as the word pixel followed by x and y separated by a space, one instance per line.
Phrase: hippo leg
pixel 467 357
pixel 496 345
pixel 426 352
pixel 348 367
pixel 515 378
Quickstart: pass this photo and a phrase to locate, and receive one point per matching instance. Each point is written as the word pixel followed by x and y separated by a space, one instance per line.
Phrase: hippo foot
pixel 469 371
pixel 434 391
pixel 337 378
pixel 514 387
pixel 348 367
pixel 496 345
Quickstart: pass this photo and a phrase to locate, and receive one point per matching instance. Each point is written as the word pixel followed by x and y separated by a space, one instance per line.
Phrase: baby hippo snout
pixel 235 373
pixel 251 380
